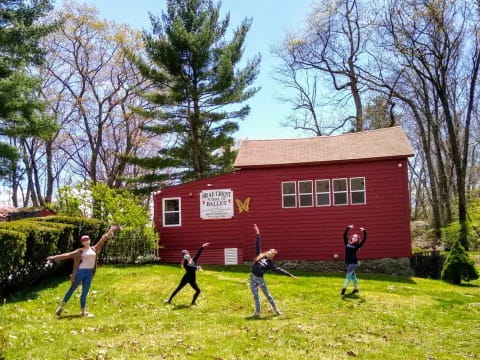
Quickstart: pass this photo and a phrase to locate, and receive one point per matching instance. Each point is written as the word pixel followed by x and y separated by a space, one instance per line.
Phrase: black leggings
pixel 182 284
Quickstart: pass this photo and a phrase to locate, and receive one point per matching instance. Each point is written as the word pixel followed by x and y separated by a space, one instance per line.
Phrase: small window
pixel 357 191
pixel 289 194
pixel 172 212
pixel 340 192
pixel 322 189
pixel 305 193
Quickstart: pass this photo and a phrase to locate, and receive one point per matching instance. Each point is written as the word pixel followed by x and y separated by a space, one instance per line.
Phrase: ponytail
pixel 260 256
pixel 269 254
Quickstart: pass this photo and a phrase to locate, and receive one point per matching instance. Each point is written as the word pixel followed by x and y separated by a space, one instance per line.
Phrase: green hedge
pixel 41 242
pixel 28 242
pixel 82 226
pixel 14 246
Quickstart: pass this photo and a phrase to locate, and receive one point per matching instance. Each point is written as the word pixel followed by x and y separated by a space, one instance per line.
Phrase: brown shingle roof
pixel 382 143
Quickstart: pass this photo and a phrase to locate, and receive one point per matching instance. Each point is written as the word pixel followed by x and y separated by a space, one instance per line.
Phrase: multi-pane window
pixel 172 212
pixel 327 191
pixel 322 189
pixel 340 192
pixel 357 190
pixel 305 193
pixel 289 194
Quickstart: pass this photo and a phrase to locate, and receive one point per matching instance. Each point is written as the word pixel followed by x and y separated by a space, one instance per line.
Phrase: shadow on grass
pixel 31 292
pixel 367 276
pixel 259 318
pixel 351 297
pixel 469 285
pixel 181 307
pixel 70 317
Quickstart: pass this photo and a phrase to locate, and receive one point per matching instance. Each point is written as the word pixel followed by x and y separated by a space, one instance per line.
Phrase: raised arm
pixel 98 246
pixel 258 245
pixel 364 231
pixel 345 234
pixel 195 258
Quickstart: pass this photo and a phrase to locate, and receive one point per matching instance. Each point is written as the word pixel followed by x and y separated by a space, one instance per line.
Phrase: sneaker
pixel 59 310
pixel 343 291
pixel 88 315
pixel 355 291
pixel 278 312
pixel 166 302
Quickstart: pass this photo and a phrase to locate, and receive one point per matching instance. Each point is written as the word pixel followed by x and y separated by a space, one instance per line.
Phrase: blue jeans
pixel 255 283
pixel 351 276
pixel 83 276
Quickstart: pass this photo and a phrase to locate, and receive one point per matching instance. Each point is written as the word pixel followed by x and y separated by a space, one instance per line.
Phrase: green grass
pixel 393 318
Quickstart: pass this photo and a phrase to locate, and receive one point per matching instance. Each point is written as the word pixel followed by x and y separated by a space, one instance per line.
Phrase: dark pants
pixel 193 283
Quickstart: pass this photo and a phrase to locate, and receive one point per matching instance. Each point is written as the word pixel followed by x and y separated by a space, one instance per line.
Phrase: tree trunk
pixel 49 156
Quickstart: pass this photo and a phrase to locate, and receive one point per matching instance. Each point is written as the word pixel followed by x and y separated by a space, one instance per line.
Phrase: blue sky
pixel 271 19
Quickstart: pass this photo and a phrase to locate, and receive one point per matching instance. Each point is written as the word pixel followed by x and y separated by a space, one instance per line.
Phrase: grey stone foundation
pixel 390 266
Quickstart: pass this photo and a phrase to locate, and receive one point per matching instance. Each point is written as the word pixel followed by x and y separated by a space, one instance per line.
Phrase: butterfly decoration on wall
pixel 243 206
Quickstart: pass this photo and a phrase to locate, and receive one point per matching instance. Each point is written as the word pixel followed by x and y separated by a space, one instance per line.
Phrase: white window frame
pixel 295 194
pixel 310 193
pixel 179 211
pixel 339 192
pixel 364 190
pixel 323 192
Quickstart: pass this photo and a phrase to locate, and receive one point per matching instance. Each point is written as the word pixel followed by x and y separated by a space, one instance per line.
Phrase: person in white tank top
pixel 89 258
pixel 84 266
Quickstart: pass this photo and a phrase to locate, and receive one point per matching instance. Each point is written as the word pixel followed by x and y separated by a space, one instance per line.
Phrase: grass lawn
pixel 393 318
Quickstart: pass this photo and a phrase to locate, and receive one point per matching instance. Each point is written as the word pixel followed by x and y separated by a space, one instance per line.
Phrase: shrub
pixel 41 242
pixel 13 245
pixel 458 266
pixel 26 243
pixel 451 231
pixel 81 226
pixel 137 236
pixel 68 202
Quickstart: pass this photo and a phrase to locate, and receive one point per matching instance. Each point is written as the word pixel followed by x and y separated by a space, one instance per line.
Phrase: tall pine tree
pixel 20 32
pixel 197 79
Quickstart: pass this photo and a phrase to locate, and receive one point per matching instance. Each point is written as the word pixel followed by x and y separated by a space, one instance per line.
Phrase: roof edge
pixel 239 167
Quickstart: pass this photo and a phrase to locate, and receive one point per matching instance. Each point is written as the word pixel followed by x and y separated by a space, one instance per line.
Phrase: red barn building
pixel 301 193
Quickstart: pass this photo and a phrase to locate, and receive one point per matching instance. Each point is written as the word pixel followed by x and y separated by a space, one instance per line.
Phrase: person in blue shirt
pixel 352 245
pixel 263 262
pixel 191 268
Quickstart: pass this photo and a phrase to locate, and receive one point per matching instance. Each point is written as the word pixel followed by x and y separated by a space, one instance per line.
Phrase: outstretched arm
pixel 279 270
pixel 98 246
pixel 258 245
pixel 345 234
pixel 195 258
pixel 64 256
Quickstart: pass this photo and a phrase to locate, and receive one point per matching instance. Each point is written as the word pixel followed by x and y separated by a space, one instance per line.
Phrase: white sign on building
pixel 216 204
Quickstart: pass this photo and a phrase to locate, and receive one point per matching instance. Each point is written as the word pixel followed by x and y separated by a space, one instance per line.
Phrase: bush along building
pixel 301 193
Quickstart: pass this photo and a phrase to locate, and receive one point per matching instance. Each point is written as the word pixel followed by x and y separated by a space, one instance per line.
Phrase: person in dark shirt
pixel 190 267
pixel 263 262
pixel 352 245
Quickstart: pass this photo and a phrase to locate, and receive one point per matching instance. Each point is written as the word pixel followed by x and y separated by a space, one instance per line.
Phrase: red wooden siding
pixel 307 233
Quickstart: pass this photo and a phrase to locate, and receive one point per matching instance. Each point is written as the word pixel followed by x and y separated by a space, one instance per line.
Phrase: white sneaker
pixel 59 310
pixel 87 314
pixel 278 312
